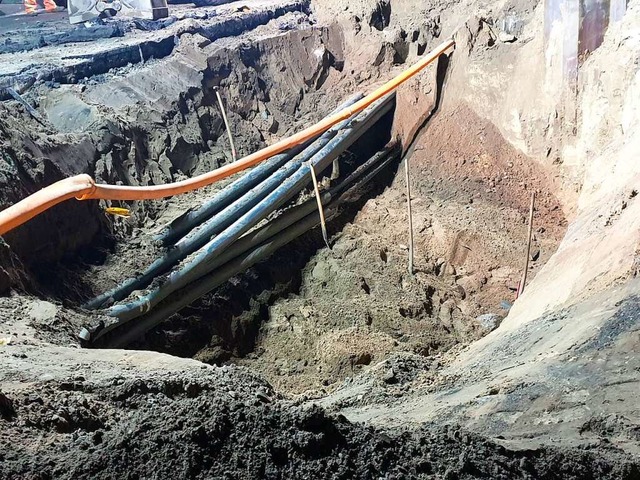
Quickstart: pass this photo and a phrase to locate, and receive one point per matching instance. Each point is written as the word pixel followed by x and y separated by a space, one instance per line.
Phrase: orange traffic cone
pixel 30 6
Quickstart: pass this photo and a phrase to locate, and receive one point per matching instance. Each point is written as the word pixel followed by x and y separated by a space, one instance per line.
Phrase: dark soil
pixel 227 424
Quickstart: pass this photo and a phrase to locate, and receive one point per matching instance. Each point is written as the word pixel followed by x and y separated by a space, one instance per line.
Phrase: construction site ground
pixel 328 362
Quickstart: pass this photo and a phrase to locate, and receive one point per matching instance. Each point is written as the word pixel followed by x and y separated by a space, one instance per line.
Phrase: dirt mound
pixel 225 423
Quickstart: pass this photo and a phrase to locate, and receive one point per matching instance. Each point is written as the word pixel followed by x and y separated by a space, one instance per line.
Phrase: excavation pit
pixel 315 361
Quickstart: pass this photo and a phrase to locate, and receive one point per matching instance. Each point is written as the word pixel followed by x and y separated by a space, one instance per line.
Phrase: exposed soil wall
pixel 131 128
pixel 357 303
pixel 547 374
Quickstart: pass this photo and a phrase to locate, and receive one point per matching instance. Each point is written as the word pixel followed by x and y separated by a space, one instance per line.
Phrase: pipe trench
pixel 226 217
pixel 208 243
pixel 208 258
pixel 252 248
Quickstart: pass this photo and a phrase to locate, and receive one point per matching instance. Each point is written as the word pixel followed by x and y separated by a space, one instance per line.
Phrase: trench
pixel 355 303
pixel 226 324
pixel 319 332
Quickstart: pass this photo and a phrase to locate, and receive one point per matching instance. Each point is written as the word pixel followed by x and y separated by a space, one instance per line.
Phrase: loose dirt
pixel 357 302
pixel 179 419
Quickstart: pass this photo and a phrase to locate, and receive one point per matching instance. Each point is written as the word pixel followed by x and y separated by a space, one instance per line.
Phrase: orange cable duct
pixel 83 187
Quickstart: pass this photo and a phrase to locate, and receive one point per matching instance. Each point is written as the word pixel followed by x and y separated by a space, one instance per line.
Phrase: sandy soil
pixel 357 303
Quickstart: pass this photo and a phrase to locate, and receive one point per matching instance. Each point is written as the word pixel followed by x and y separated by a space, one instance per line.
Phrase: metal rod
pixel 323 223
pixel 528 254
pixel 409 213
pixel 226 123
pixel 18 98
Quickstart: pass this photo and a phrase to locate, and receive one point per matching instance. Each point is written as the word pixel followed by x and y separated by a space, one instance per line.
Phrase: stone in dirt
pixel 489 321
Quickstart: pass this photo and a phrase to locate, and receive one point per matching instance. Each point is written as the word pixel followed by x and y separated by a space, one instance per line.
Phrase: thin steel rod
pixel 407 180
pixel 323 223
pixel 18 98
pixel 226 124
pixel 528 253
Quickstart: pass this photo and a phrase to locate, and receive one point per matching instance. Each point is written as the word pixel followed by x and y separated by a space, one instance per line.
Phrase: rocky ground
pixel 319 363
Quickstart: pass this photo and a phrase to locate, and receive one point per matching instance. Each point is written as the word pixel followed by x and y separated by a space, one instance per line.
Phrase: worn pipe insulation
pixel 84 187
pixel 298 212
pixel 200 264
pixel 213 280
pixel 292 215
pixel 215 225
pixel 192 218
pixel 274 240
pixel 124 313
pixel 131 310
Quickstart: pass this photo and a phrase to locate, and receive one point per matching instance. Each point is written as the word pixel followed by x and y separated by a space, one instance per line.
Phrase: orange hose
pixel 43 200
pixel 84 188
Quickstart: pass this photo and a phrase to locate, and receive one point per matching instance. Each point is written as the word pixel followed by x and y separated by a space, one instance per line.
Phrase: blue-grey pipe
pixel 212 281
pixel 219 222
pixel 204 261
pixel 180 226
pixel 237 265
pixel 190 219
